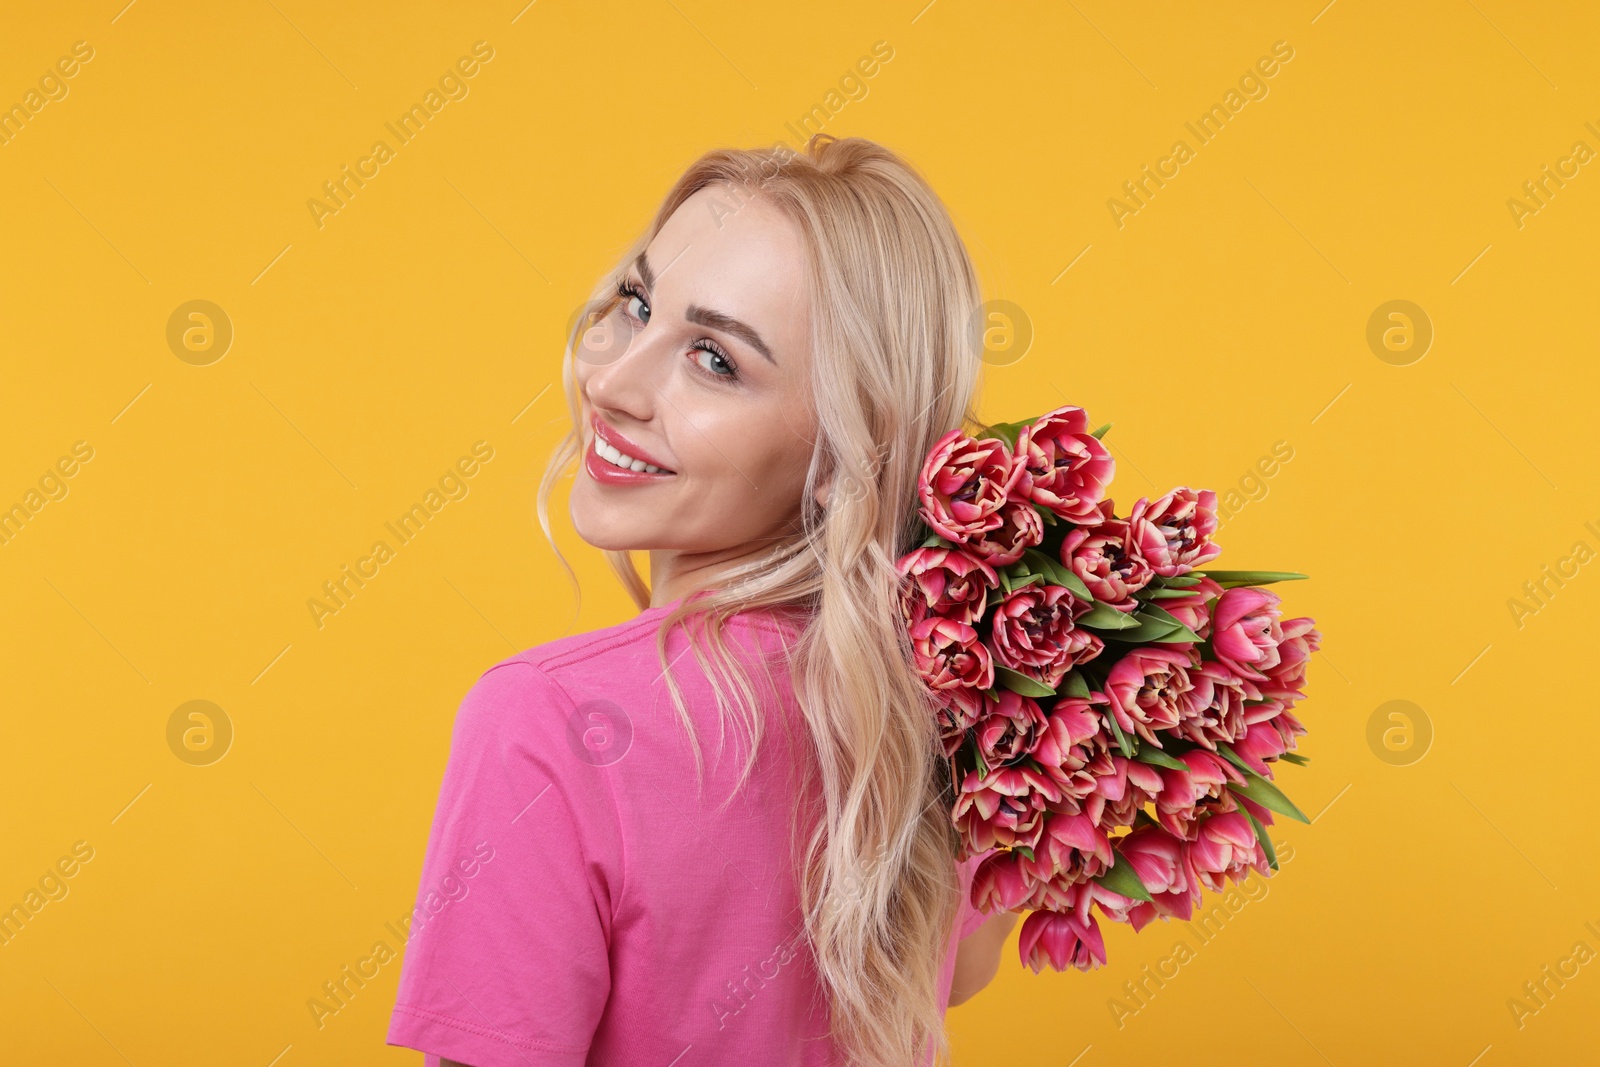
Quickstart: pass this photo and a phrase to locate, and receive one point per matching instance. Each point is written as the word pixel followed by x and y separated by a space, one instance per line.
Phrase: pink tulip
pixel 949 655
pixel 1059 893
pixel 1122 788
pixel 1261 744
pixel 1019 529
pixel 961 708
pixel 1179 804
pixel 1146 685
pixel 1245 634
pixel 1066 468
pixel 948 582
pixel 1009 727
pixel 1224 847
pixel 1033 632
pixel 1276 716
pixel 1104 557
pixel 1288 728
pixel 970 703
pixel 1113 905
pixel 1072 739
pixel 1155 856
pixel 1174 904
pixel 963 485
pixel 1287 679
pixel 1061 941
pixel 1213 709
pixel 1193 608
pixel 952 723
pixel 1066 896
pixel 1174 533
pixel 1158 860
pixel 1071 847
pixel 1000 884
pixel 1004 808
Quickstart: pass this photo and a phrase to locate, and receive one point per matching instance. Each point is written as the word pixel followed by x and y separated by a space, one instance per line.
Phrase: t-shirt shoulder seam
pixel 482 1031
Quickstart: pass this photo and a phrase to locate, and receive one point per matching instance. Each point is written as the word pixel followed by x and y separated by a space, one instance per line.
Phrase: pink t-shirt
pixel 580 904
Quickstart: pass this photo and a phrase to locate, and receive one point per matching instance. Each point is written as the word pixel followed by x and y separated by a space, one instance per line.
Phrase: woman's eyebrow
pixel 648 276
pixel 715 320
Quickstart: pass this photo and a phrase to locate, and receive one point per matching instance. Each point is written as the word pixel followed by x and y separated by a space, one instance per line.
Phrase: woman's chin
pixel 600 528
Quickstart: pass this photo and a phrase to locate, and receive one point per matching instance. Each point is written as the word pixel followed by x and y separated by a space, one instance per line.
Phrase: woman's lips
pixel 613 437
pixel 608 473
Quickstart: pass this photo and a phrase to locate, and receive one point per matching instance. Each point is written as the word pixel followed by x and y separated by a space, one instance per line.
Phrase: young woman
pixel 753 391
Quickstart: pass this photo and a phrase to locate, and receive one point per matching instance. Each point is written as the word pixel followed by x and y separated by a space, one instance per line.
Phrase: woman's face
pixel 702 369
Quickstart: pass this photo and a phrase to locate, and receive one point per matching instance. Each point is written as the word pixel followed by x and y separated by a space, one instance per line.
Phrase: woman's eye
pixel 643 314
pixel 714 363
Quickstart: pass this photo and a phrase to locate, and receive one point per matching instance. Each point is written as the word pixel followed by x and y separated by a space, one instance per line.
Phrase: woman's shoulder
pixel 576 676
pixel 630 646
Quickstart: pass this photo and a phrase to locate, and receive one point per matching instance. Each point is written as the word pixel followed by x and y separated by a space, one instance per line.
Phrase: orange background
pixel 1226 317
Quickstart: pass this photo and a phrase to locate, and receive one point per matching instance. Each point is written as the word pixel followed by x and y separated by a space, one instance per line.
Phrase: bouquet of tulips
pixel 1111 707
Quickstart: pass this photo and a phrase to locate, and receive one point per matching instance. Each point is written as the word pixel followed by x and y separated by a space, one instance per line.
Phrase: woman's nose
pixel 623 364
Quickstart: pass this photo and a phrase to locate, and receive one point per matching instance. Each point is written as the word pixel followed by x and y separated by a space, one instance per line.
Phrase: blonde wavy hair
pixel 895 365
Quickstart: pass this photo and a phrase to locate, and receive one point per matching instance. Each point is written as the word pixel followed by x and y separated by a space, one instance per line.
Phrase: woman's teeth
pixel 617 459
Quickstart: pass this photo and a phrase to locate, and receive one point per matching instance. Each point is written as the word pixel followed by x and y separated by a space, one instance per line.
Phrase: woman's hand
pixel 978 956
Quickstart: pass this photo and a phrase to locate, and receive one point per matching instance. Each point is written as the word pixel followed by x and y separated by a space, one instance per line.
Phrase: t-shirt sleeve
pixel 970 917
pixel 507 954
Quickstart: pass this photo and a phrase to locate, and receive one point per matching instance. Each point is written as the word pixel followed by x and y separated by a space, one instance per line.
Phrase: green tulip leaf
pixel 1073 685
pixel 1234 758
pixel 1295 758
pixel 1150 754
pixel 1262 791
pixel 1151 630
pixel 1006 431
pixel 1018 682
pixel 1137 635
pixel 1057 573
pixel 1178 632
pixel 1070 581
pixel 1100 433
pixel 1231 579
pixel 1155 611
pixel 1266 842
pixel 1014 578
pixel 1106 617
pixel 1122 738
pixel 1121 879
